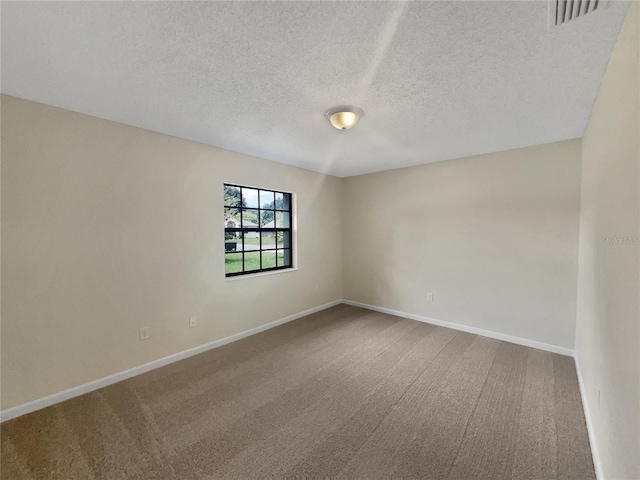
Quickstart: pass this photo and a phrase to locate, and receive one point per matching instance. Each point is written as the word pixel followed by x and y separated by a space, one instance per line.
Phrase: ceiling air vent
pixel 567 10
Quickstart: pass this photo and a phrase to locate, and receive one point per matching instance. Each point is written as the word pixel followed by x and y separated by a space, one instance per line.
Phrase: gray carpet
pixel 344 392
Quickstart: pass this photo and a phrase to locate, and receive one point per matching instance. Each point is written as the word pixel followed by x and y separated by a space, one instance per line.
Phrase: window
pixel 257 230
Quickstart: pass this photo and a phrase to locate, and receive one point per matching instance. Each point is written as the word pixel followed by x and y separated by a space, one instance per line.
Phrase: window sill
pixel 259 274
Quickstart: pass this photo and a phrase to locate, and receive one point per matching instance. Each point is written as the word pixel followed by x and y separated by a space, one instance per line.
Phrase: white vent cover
pixel 563 11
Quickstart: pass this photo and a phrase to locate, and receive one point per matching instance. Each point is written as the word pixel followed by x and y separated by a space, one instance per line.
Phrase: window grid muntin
pixel 287 252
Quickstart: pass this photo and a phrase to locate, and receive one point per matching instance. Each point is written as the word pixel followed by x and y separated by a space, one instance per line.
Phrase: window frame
pixel 241 230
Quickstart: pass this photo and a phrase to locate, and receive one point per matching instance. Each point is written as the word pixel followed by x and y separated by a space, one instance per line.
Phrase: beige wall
pixel 494 237
pixel 108 228
pixel 608 317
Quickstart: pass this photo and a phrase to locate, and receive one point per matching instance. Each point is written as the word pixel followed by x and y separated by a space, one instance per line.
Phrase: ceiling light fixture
pixel 344 117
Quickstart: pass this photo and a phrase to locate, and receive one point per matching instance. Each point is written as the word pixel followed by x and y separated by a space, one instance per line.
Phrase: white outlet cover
pixel 145 333
pixel 193 321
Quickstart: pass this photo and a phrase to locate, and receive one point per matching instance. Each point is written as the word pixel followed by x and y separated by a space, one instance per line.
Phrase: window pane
pixel 249 198
pixel 268 240
pixel 287 257
pixel 251 261
pixel 231 196
pixel 250 218
pixel 284 239
pixel 266 199
pixel 267 218
pixel 231 218
pixel 283 201
pixel 232 243
pixel 269 259
pixel 283 220
pixel 284 258
pixel 233 262
pixel 251 241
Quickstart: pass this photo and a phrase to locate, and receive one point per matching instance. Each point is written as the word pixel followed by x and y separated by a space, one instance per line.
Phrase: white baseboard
pixel 464 328
pixel 118 377
pixel 49 400
pixel 520 341
pixel 587 416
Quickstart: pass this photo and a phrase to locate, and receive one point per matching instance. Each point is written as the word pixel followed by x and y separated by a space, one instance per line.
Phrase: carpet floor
pixel 344 392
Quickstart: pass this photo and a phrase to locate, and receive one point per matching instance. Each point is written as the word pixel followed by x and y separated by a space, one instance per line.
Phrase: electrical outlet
pixel 193 322
pixel 145 333
pixel 598 399
pixel 430 296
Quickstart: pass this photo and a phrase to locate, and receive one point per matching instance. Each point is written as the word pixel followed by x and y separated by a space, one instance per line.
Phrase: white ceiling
pixel 436 80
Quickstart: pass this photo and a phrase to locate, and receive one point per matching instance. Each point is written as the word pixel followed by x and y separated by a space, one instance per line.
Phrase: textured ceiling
pixel 436 80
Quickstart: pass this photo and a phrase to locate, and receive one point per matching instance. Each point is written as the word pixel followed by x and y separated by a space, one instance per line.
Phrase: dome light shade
pixel 344 118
